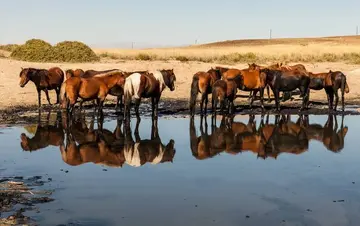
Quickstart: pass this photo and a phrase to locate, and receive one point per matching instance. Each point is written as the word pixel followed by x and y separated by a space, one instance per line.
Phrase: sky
pixel 156 23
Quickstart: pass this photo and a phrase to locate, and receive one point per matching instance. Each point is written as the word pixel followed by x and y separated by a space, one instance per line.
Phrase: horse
pixel 89 89
pixel 251 80
pixel 202 82
pixel 225 90
pixel 45 136
pixel 329 134
pixel 287 81
pixel 141 151
pixel 74 73
pixel 147 85
pixel 44 80
pixel 331 82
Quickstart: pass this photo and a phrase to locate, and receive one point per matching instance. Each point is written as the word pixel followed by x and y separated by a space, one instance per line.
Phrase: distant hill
pixel 299 41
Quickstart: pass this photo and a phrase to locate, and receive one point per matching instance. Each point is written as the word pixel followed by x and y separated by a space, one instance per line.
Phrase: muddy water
pixel 293 175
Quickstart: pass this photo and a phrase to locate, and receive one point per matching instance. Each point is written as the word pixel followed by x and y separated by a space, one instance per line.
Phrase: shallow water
pixel 308 175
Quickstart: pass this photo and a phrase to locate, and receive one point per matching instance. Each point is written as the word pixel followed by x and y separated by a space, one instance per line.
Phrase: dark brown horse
pixel 225 92
pixel 287 81
pixel 331 82
pixel 202 83
pixel 44 80
pixel 45 135
pixel 147 85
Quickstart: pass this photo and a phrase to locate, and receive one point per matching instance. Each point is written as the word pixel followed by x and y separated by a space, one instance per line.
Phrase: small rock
pixel 353 182
pixel 61 170
pixel 309 210
pixel 66 171
pixel 49 179
pixel 105 170
pixel 247 216
pixel 196 205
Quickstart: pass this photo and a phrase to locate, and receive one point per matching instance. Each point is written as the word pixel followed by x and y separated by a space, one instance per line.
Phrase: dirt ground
pixel 13 96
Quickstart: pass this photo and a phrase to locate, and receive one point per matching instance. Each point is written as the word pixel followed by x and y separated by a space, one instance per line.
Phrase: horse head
pixel 24 76
pixel 169 78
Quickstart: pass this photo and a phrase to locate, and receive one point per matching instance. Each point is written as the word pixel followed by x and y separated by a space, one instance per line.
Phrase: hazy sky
pixel 111 23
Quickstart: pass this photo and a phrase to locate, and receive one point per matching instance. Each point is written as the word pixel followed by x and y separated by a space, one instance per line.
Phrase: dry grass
pixel 332 49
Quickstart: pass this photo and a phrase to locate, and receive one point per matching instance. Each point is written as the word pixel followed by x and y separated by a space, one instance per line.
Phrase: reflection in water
pixel 100 146
pixel 44 135
pixel 269 140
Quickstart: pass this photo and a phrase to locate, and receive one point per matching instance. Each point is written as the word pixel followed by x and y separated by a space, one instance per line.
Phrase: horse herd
pixel 84 144
pixel 222 83
pixel 94 86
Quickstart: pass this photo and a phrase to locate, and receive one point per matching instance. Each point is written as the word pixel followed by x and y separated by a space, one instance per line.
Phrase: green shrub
pixel 34 50
pixel 9 47
pixel 182 58
pixel 143 56
pixel 75 52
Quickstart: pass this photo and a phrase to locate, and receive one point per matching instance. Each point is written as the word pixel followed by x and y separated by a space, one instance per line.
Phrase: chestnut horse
pixel 95 88
pixel 147 85
pixel 225 91
pixel 331 82
pixel 44 80
pixel 287 81
pixel 251 80
pixel 202 83
pixel 74 73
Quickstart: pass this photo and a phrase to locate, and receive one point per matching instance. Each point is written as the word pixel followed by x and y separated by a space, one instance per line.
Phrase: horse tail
pixel 193 94
pixel 347 89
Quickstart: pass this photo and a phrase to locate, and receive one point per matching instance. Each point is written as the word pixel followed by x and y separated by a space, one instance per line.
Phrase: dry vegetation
pixel 307 50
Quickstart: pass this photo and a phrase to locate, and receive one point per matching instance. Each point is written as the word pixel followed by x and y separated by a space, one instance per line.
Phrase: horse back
pixel 55 77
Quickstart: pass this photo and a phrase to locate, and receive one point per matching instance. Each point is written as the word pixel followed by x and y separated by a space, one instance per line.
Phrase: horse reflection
pixel 45 135
pixel 101 146
pixel 139 152
pixel 269 140
pixel 331 137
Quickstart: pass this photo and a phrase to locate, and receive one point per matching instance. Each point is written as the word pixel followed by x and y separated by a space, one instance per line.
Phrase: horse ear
pixel 330 71
pixel 22 68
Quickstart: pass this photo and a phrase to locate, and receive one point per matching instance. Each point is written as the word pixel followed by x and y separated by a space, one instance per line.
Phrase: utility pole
pixel 357 30
pixel 270 33
pixel 132 45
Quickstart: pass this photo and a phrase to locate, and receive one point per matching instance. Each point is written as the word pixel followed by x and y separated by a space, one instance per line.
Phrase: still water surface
pixel 288 175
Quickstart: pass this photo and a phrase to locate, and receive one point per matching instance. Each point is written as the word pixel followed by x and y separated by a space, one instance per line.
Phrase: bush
pixel 143 56
pixel 74 52
pixel 182 58
pixel 36 50
pixel 9 47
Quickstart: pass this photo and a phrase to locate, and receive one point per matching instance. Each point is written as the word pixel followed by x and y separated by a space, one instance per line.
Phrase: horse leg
pixel 262 98
pixel 47 95
pixel 329 94
pixel 202 103
pixel 137 104
pixel 277 99
pixel 206 103
pixel 251 94
pixel 252 98
pixel 336 99
pixel 57 90
pixel 156 101
pixel 268 93
pixel 342 96
pixel 39 97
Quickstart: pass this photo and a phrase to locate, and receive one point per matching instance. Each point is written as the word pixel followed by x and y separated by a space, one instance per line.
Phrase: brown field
pixel 342 53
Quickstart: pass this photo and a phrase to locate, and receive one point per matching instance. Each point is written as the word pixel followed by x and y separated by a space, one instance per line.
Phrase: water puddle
pixel 245 170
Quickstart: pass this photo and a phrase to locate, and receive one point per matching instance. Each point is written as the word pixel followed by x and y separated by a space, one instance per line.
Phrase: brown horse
pixel 74 73
pixel 147 85
pixel 202 83
pixel 95 88
pixel 225 91
pixel 329 134
pixel 44 80
pixel 287 81
pixel 331 82
pixel 251 80
pixel 45 135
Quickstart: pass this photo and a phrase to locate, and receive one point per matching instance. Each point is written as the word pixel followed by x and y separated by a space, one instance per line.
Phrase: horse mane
pixel 160 77
pixel 109 73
